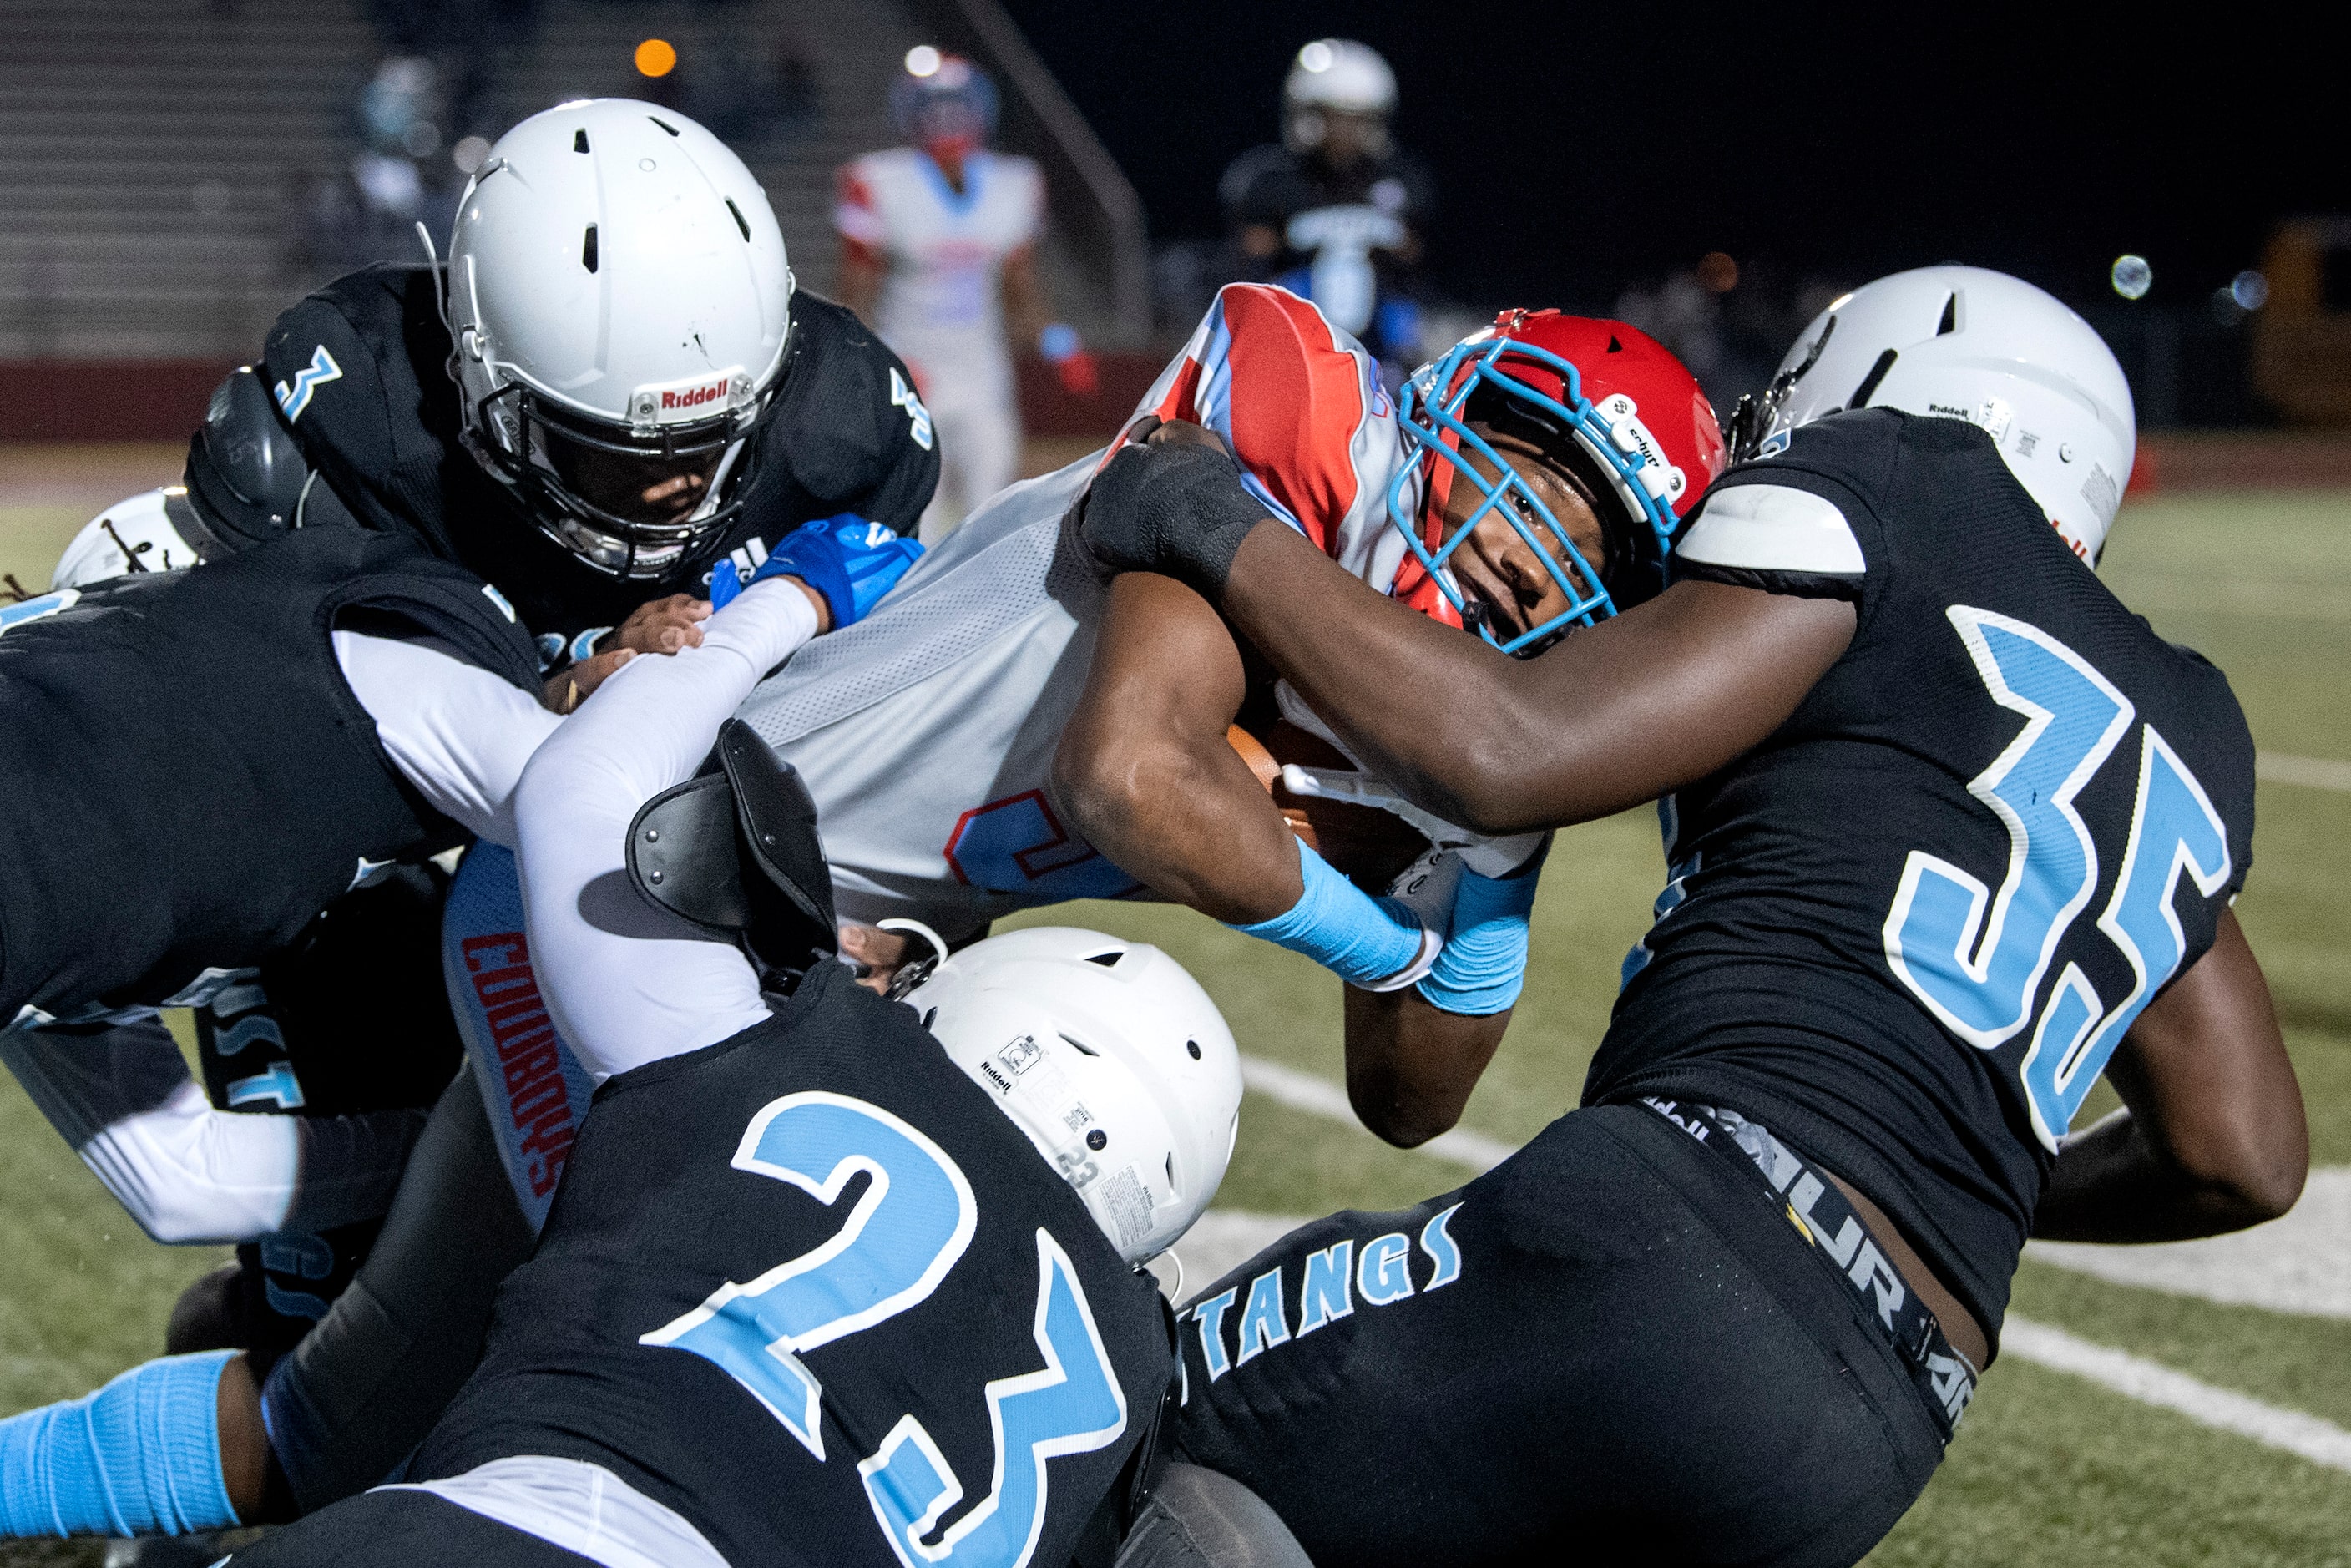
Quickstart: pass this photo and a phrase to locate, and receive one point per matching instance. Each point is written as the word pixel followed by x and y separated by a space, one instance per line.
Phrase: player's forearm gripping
pixel 2212 1138
pixel 1145 773
pixel 1688 682
pixel 1612 716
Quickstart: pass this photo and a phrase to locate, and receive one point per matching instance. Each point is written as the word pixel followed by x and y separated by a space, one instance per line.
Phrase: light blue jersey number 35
pixel 1976 957
pixel 907 1230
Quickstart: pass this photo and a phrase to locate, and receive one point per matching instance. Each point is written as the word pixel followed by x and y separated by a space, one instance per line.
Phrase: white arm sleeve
pixel 628 984
pixel 187 1173
pixel 455 731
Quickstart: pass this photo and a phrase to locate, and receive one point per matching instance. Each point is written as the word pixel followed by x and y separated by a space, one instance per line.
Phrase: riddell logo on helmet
pixel 693 397
pixel 677 403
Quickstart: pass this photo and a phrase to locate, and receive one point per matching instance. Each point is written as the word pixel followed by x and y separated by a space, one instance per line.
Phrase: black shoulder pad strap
pixel 736 853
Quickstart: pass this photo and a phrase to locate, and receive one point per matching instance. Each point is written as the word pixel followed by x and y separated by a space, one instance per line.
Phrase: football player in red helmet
pixel 1534 477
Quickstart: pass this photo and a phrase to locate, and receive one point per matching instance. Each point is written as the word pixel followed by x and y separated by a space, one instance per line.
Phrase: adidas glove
pixel 1177 508
pixel 850 561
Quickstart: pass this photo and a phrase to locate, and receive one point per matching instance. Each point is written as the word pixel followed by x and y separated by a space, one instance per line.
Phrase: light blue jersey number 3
pixel 1976 957
pixel 912 1223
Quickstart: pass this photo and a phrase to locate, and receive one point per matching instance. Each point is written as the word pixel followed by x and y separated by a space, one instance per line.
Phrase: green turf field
pixel 2048 1469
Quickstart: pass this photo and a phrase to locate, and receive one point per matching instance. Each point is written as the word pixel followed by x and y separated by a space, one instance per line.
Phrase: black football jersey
pixel 809 1289
pixel 368 394
pixel 1907 930
pixel 189 778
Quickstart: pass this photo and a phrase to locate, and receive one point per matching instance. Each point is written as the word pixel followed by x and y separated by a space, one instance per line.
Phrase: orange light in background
pixel 1717 273
pixel 656 57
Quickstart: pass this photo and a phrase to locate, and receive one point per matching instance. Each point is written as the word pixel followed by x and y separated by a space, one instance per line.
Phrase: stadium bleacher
pixel 154 155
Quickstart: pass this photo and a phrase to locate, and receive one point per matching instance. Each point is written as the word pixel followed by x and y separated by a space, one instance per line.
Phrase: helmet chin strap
pixel 439 281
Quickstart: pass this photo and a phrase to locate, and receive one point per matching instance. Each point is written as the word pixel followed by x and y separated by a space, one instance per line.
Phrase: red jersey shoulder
pixel 1287 395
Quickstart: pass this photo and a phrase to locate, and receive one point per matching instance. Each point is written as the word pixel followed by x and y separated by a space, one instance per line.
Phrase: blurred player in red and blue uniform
pixel 938 251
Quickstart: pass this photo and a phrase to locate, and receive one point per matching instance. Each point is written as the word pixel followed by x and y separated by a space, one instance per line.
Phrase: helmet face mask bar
pixel 1756 412
pixel 531 431
pixel 1436 423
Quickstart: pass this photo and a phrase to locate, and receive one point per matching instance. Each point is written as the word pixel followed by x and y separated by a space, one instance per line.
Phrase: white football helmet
pixel 1111 1058
pixel 1335 75
pixel 620 307
pixel 1963 342
pixel 135 534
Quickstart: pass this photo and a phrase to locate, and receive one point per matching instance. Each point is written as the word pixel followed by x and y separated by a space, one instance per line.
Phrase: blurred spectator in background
pixel 1726 322
pixel 1335 213
pixel 401 176
pixel 797 93
pixel 471 44
pixel 938 252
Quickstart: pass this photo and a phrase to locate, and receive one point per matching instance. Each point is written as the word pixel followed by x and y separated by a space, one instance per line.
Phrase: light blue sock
pixel 1362 939
pixel 1484 964
pixel 139 1457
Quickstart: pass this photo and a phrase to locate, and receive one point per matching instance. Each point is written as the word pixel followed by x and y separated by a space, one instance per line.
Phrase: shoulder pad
pixel 736 853
pixel 1772 528
pixel 245 473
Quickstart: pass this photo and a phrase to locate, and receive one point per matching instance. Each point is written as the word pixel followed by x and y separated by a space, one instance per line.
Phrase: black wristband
pixel 1180 510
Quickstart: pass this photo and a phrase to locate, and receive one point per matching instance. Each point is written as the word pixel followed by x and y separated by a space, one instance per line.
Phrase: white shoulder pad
pixel 139 526
pixel 1772 528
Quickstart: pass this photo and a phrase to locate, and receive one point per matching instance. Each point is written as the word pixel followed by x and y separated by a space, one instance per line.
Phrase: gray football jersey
pixel 926 731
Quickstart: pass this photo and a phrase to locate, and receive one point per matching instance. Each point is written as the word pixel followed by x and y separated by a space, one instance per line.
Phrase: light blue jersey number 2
pixel 908 1229
pixel 1975 956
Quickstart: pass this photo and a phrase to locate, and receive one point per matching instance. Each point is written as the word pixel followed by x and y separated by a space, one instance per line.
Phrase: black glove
pixel 1174 508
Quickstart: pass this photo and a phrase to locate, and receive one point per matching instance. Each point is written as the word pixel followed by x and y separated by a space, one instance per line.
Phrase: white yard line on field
pixel 2301 1264
pixel 2311 772
pixel 2320 1442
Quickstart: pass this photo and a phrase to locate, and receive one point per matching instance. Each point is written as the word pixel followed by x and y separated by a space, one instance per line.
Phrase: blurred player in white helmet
pixel 938 250
pixel 1334 213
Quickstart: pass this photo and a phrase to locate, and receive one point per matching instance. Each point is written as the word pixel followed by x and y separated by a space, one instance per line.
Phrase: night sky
pixel 1582 146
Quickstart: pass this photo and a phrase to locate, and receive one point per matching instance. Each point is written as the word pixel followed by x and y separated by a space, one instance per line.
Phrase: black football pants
pixel 1609 1348
pixel 345 1407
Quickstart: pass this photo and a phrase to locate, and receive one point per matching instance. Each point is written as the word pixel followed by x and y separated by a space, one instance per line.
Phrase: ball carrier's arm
pixel 1145 772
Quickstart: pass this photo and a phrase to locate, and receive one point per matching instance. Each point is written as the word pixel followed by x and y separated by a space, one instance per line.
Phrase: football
pixel 1367 845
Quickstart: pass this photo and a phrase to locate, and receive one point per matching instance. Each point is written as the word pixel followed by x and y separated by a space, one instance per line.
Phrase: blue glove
pixel 1484 964
pixel 726 584
pixel 852 563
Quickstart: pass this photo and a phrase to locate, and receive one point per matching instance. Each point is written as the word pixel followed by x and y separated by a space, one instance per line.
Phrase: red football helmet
pixel 1614 392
